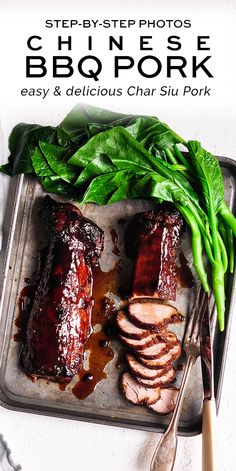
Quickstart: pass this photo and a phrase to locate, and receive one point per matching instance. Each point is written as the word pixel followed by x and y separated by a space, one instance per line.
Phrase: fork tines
pixel 198 310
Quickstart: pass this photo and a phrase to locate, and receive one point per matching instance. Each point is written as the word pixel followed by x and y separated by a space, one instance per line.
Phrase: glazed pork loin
pixel 59 321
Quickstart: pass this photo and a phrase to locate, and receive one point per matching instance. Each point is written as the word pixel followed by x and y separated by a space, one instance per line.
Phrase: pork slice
pixel 163 360
pixel 143 371
pixel 166 378
pixel 167 401
pixel 152 315
pixel 138 394
pixel 139 344
pixel 128 329
pixel 153 351
pixel 167 336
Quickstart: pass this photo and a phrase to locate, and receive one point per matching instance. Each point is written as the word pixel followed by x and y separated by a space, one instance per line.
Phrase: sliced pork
pixel 166 378
pixel 138 369
pixel 140 344
pixel 138 394
pixel 152 239
pixel 152 315
pixel 153 351
pixel 164 359
pixel 166 403
pixel 128 329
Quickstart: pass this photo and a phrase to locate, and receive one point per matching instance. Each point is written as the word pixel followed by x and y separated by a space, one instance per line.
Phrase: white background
pixel 54 444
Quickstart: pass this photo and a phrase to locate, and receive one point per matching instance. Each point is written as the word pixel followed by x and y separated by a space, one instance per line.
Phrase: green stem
pixel 196 246
pixel 182 158
pixel 217 266
pixel 171 156
pixel 208 249
pixel 228 217
pixel 230 239
pixel 224 257
pixel 227 236
pixel 204 230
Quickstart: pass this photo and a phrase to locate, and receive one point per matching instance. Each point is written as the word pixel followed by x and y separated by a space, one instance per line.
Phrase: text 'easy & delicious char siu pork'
pixel 60 319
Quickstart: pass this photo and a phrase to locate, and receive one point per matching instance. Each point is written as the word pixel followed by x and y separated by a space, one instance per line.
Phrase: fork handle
pixel 208 435
pixel 164 457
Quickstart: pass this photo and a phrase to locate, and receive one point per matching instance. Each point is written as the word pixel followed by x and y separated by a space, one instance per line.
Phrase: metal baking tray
pixel 22 237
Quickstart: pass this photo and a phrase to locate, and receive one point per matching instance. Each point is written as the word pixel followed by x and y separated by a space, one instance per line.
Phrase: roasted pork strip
pixel 59 321
pixel 152 239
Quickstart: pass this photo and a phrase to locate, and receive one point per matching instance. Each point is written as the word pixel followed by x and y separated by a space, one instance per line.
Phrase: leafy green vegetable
pixel 23 140
pixel 99 156
pixel 124 152
pixel 51 182
pixel 55 156
pixel 210 177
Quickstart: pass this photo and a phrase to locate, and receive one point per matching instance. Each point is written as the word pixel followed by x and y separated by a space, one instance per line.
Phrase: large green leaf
pixel 23 140
pixel 55 157
pixel 124 184
pixel 119 150
pixel 209 175
pixel 51 182
pixel 82 116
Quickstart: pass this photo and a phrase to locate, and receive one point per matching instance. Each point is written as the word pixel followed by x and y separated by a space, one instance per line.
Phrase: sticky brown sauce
pixel 99 342
pixel 184 274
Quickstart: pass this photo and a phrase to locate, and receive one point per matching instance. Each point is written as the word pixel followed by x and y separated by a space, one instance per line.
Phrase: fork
pixel 164 455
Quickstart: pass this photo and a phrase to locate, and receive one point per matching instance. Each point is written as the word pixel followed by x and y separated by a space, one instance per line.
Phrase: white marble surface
pixel 46 443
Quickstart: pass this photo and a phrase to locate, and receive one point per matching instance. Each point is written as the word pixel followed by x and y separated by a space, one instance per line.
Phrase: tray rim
pixel 14 405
